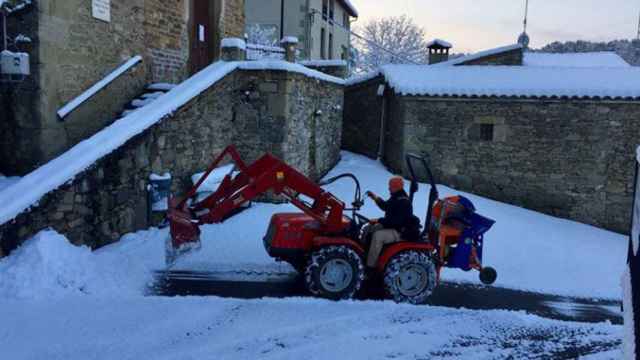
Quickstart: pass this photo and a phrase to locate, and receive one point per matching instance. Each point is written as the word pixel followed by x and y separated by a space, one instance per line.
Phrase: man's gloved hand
pixel 372 195
pixel 373 221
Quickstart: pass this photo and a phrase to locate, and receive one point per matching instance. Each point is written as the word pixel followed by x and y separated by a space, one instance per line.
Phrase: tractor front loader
pixel 323 241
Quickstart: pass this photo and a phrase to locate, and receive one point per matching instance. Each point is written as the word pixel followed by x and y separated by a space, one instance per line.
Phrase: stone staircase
pixel 149 95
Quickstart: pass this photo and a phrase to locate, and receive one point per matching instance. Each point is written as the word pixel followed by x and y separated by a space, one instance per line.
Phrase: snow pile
pixel 591 59
pixel 49 266
pixel 29 189
pixel 514 81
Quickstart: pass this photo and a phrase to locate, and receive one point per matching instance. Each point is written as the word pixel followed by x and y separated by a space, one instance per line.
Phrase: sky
pixel 472 25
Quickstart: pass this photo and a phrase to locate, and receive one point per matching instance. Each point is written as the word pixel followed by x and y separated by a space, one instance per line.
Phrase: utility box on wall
pixel 14 66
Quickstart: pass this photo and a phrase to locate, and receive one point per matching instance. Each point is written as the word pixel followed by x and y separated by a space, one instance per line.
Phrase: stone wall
pixel 362 115
pixel 232 19
pixel 71 51
pixel 572 159
pixel 110 199
pixel 167 39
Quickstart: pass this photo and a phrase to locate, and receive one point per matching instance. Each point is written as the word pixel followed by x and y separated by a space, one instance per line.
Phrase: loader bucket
pixel 184 232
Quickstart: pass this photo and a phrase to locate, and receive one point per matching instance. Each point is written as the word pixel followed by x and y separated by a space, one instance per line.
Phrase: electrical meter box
pixel 12 63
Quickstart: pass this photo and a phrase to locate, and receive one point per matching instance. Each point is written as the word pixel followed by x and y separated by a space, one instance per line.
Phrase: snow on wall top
pixel 233 43
pixel 28 190
pixel 320 63
pixel 479 55
pixel 514 81
pixel 439 42
pixel 589 59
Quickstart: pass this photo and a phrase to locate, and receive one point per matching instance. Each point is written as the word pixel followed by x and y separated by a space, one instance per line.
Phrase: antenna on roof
pixel 523 39
pixel 638 27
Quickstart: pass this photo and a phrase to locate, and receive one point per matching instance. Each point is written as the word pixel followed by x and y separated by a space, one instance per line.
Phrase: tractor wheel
pixel 334 272
pixel 410 277
pixel 488 275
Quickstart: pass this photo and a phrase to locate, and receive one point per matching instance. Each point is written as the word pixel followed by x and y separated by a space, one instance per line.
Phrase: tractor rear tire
pixel 410 277
pixel 334 272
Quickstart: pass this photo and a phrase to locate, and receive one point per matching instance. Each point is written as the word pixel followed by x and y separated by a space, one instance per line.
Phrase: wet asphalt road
pixel 247 285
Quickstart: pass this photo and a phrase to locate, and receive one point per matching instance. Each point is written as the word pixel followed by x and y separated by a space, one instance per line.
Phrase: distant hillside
pixel 629 50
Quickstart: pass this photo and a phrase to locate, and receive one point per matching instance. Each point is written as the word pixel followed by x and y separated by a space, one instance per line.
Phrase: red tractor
pixel 324 243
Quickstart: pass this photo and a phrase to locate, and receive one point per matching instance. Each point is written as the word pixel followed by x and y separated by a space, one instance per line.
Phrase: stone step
pixel 165 87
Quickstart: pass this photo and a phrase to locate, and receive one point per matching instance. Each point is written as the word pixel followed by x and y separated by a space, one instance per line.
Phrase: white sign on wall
pixel 101 9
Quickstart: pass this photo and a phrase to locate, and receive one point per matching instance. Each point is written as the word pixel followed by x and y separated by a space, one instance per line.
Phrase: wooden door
pixel 201 33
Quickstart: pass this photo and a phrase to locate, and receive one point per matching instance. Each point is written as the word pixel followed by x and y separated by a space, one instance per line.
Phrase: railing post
pixel 233 49
pixel 290 45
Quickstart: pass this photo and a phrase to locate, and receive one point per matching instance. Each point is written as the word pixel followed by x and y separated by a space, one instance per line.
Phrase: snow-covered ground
pixel 66 302
pixel 213 328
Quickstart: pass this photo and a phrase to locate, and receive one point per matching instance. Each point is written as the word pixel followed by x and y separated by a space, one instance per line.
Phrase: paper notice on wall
pixel 201 31
pixel 101 9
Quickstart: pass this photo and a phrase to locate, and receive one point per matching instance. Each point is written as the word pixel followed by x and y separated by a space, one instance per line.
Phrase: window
pixel 332 8
pixel 330 46
pixel 323 43
pixel 343 54
pixel 345 20
pixel 486 132
pixel 325 9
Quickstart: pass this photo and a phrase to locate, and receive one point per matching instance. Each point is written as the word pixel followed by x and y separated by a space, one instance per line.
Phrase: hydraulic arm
pixel 266 174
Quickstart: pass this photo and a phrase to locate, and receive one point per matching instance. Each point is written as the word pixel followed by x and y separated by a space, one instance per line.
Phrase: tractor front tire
pixel 410 277
pixel 334 272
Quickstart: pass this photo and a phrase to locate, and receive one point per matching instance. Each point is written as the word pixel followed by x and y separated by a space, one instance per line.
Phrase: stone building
pixel 322 26
pixel 97 191
pixel 76 43
pixel 550 132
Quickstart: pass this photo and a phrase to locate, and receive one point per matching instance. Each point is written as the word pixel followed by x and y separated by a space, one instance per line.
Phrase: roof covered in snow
pixel 350 8
pixel 588 59
pixel 439 42
pixel 479 55
pixel 511 81
pixel 29 189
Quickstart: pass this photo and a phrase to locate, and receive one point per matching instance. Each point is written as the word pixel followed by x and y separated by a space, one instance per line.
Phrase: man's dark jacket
pixel 397 211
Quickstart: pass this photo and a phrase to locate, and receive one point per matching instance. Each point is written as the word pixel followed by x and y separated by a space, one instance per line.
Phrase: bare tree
pixel 392 40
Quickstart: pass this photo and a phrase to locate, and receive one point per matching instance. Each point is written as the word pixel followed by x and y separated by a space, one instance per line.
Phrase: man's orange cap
pixel 396 183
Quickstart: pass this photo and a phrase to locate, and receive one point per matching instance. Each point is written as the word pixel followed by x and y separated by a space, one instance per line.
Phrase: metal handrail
pixel 93 90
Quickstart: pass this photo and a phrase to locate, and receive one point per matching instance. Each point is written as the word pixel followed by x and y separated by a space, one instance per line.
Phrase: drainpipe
pixel 381 141
pixel 281 19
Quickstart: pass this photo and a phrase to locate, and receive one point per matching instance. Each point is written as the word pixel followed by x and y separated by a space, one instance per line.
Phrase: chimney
pixel 438 51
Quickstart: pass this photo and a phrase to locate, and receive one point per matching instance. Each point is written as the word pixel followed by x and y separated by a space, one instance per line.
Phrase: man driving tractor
pixel 398 212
